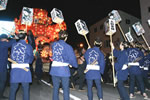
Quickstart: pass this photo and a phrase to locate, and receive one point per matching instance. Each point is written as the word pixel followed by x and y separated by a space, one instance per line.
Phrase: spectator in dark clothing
pixel 108 67
pixel 80 76
pixel 38 66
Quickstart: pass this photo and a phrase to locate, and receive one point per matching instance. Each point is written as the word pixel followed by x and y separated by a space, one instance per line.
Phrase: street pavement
pixel 43 91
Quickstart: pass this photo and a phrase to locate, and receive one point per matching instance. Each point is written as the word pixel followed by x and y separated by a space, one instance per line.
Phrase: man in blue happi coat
pixel 4 46
pixel 63 57
pixel 121 69
pixel 135 73
pixel 95 67
pixel 22 54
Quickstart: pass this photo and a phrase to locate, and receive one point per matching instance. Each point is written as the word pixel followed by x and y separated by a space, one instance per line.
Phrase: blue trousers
pixel 122 91
pixel 98 86
pixel 139 79
pixel 13 90
pixel 65 85
pixel 3 78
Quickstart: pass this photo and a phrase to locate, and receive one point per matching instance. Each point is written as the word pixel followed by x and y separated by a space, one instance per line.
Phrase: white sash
pixel 58 64
pixel 19 66
pixel 133 64
pixel 93 67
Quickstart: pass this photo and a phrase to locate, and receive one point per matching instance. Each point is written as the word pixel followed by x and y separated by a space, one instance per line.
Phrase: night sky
pixel 88 10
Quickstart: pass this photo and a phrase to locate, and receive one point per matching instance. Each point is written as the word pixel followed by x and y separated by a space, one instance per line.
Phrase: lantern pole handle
pixel 87 40
pixel 112 62
pixel 121 31
pixel 145 41
pixel 26 27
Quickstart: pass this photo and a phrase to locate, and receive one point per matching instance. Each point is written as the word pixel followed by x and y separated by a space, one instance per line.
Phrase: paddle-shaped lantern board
pixel 110 27
pixel 57 16
pixel 3 4
pixel 27 16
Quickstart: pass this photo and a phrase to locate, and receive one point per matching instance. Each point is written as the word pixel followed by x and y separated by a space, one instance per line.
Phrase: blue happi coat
pixel 62 53
pixel 22 53
pixel 122 58
pixel 94 54
pixel 145 65
pixel 133 54
pixel 4 54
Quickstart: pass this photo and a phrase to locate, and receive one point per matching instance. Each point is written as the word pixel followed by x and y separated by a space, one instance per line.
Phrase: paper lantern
pixel 110 27
pixel 81 27
pixel 114 14
pixel 138 28
pixel 3 4
pixel 27 16
pixel 57 16
pixel 129 36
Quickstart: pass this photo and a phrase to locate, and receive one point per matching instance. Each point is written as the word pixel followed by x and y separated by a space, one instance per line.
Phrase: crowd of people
pixel 71 67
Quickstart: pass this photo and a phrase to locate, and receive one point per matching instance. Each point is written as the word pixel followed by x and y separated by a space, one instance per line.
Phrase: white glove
pixel 124 67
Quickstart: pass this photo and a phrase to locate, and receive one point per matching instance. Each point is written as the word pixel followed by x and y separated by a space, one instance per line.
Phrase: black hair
pixel 125 44
pixel 22 36
pixel 62 35
pixel 98 42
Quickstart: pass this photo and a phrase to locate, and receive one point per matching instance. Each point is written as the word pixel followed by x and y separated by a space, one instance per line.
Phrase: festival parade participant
pixel 135 73
pixel 22 54
pixel 63 58
pixel 95 67
pixel 121 69
pixel 145 66
pixel 4 46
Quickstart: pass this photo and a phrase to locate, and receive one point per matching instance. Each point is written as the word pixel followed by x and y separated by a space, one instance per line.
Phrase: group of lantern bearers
pixel 131 61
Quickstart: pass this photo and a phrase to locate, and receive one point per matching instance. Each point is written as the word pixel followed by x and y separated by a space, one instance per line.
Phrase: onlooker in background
pixel 108 67
pixel 80 76
pixel 38 66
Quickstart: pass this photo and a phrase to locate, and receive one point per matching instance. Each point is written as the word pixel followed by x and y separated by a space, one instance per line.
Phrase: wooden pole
pixel 87 41
pixel 26 27
pixel 112 62
pixel 122 32
pixel 145 41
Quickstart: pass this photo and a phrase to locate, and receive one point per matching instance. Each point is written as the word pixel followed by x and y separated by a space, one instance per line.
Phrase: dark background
pixel 88 10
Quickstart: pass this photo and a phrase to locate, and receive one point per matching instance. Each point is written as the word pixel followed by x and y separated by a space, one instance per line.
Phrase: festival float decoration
pixel 82 29
pixel 42 27
pixel 3 4
pixel 139 30
pixel 110 29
